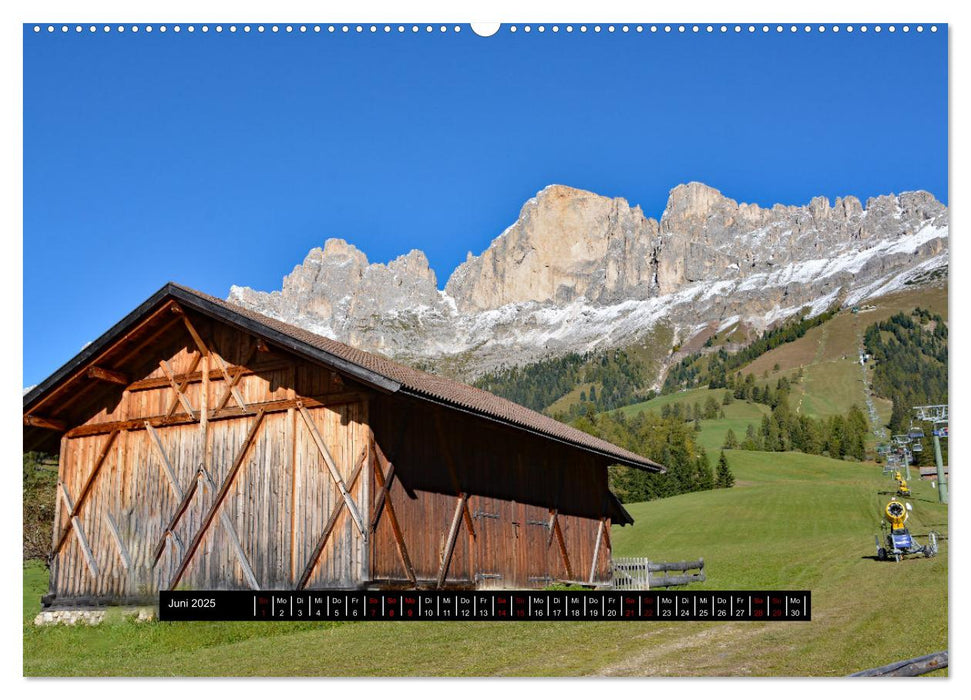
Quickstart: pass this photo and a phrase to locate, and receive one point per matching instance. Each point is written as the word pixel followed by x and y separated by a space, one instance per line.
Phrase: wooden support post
pixel 74 510
pixel 308 570
pixel 596 550
pixel 108 375
pixel 332 467
pixel 450 542
pixel 217 502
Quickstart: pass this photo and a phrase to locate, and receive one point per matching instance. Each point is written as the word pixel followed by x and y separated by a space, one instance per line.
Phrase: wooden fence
pixel 634 573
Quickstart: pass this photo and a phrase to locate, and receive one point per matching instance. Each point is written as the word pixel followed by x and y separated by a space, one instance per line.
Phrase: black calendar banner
pixel 490 606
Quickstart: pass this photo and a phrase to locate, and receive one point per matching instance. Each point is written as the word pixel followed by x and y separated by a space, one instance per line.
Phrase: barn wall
pixel 528 505
pixel 514 483
pixel 274 512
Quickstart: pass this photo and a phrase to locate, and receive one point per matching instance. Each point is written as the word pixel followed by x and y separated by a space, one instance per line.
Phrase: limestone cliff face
pixel 566 244
pixel 578 271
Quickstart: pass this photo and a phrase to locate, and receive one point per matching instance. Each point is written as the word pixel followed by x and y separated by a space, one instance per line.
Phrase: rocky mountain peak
pixel 578 270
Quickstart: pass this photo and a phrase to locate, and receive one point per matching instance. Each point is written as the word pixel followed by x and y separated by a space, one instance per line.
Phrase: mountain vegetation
pixel 910 362
pixel 610 378
pixel 715 369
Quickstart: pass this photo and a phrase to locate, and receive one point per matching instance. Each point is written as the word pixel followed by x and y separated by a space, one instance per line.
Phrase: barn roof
pixel 370 369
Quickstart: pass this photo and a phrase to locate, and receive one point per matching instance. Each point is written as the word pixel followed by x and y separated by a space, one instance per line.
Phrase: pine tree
pixel 731 441
pixel 724 478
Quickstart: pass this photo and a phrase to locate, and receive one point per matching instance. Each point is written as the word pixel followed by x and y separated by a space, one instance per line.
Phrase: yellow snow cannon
pixel 898 542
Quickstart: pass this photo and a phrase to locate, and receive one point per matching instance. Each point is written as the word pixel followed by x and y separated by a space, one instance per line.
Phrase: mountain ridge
pixel 579 271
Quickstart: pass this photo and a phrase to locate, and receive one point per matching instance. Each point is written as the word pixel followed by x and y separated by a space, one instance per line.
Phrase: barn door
pixel 493 533
pixel 534 541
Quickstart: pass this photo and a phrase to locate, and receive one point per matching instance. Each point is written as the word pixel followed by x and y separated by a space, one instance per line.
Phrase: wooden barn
pixel 206 446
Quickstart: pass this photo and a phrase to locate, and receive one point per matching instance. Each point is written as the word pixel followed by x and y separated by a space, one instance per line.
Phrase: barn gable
pixel 206 446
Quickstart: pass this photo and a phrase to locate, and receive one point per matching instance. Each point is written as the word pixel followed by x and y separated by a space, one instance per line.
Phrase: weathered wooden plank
pixel 78 528
pixel 450 542
pixel 224 368
pixel 596 551
pixel 196 376
pixel 224 414
pixel 399 539
pixel 167 369
pixel 116 536
pixel 183 386
pixel 217 502
pixel 382 495
pixel 229 389
pixel 85 490
pixel 234 542
pixel 108 375
pixel 167 468
pixel 174 520
pixel 562 546
pixel 308 570
pixel 332 467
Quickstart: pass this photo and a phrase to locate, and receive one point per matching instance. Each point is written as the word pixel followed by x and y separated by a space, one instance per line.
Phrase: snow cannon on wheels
pixel 897 540
pixel 902 489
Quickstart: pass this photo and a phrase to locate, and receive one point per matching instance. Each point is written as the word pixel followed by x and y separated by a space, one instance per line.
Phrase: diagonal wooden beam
pixel 75 523
pixel 166 465
pixel 174 520
pixel 196 338
pixel 562 546
pixel 230 389
pixel 116 536
pixel 596 551
pixel 183 385
pixel 73 510
pixel 399 539
pixel 332 467
pixel 217 502
pixel 318 549
pixel 382 495
pixel 233 537
pixel 450 543
pixel 167 369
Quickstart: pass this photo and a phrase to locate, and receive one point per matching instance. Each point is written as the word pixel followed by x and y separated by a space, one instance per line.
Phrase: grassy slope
pixel 738 414
pixel 793 521
pixel 829 355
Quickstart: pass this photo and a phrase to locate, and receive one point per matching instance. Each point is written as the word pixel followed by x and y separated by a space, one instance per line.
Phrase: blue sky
pixel 218 159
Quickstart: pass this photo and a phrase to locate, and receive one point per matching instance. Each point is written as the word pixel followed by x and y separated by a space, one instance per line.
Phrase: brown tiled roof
pixel 446 391
pixel 367 367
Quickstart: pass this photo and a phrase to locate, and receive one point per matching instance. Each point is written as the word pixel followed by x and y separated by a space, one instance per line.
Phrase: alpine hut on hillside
pixel 206 446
